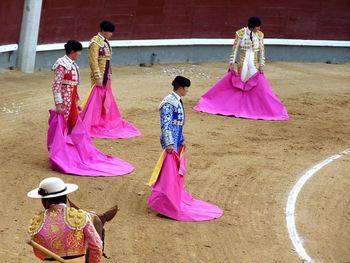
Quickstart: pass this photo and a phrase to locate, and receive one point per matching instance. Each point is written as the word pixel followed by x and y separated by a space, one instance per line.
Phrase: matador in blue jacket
pixel 172 115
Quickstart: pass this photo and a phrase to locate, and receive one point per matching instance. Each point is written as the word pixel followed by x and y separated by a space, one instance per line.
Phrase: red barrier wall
pixel 10 20
pixel 152 19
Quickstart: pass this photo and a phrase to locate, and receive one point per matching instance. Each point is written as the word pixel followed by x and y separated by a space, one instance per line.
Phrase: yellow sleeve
pixel 36 223
pixel 93 60
pixel 262 50
pixel 76 218
pixel 234 49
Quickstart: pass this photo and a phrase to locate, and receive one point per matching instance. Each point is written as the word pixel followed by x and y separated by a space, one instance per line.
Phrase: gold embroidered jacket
pixel 100 56
pixel 66 232
pixel 244 41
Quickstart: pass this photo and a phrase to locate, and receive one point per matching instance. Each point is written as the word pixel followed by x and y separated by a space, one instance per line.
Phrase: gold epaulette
pixel 76 219
pixel 97 40
pixel 260 34
pixel 241 32
pixel 36 223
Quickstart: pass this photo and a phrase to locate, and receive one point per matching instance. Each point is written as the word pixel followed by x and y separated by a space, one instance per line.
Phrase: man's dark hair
pixel 107 26
pixel 181 81
pixel 73 45
pixel 58 200
pixel 254 22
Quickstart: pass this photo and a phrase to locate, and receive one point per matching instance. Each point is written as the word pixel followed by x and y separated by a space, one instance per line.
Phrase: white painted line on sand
pixel 292 199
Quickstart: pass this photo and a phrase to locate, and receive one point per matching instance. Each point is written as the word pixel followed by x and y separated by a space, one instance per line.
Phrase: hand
pixel 99 82
pixel 59 108
pixel 261 69
pixel 183 144
pixel 109 76
pixel 170 149
pixel 232 67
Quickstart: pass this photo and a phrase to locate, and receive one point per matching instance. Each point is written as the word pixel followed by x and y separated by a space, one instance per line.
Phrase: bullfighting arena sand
pixel 246 167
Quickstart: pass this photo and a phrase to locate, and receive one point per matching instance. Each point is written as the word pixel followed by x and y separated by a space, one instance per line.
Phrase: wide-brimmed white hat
pixel 52 187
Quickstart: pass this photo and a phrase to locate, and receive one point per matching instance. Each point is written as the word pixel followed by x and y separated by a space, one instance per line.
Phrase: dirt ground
pixel 246 167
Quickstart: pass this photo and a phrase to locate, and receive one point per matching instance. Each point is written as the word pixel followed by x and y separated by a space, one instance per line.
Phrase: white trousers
pixel 248 67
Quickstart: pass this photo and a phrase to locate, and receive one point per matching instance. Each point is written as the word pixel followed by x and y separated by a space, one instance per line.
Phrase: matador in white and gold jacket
pixel 252 56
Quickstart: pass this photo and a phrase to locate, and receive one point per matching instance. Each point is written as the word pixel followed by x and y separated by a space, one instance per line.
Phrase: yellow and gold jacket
pixel 100 56
pixel 243 41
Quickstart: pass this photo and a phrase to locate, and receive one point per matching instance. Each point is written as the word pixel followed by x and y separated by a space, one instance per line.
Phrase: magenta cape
pixel 253 99
pixel 102 118
pixel 169 197
pixel 75 153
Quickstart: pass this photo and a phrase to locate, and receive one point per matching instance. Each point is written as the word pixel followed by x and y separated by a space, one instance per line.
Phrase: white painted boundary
pixel 191 42
pixel 292 198
pixel 7 48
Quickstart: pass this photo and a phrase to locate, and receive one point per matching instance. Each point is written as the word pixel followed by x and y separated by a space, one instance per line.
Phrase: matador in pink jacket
pixel 64 230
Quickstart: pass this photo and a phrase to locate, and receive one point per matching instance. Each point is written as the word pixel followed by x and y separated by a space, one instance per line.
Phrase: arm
pixel 45 251
pixel 110 65
pixel 93 61
pixel 166 119
pixel 182 140
pixel 110 72
pixel 234 49
pixel 262 52
pixel 38 253
pixel 57 87
pixel 57 84
pixel 94 242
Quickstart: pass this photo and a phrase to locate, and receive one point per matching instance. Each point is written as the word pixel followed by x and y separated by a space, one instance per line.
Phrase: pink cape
pixel 75 153
pixel 102 118
pixel 253 99
pixel 170 199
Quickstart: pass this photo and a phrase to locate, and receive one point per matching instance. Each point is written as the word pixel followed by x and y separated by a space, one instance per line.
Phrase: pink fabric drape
pixel 170 199
pixel 253 99
pixel 102 117
pixel 74 153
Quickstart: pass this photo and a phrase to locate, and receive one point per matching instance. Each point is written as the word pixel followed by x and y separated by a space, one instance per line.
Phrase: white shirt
pixel 69 59
pixel 75 65
pixel 178 98
pixel 101 37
